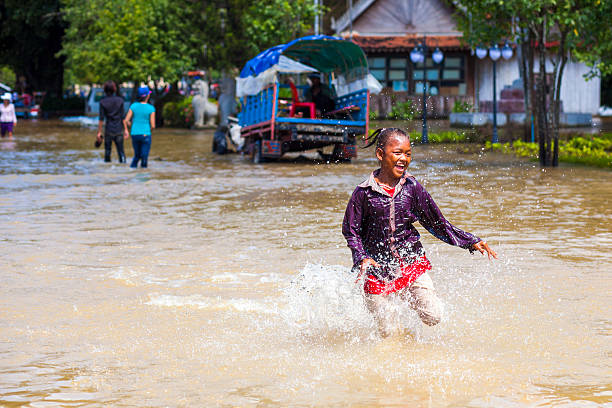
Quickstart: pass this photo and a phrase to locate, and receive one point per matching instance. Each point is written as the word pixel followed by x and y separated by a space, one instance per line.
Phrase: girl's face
pixel 396 155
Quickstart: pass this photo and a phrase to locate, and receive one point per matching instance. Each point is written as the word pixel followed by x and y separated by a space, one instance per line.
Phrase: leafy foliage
pixel 555 30
pixel 127 40
pixel 234 31
pixel 403 111
pixel 462 107
pixel 449 136
pixel 179 113
pixel 588 150
pixel 31 36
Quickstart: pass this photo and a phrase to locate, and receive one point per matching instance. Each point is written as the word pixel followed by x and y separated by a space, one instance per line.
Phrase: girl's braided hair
pixel 381 137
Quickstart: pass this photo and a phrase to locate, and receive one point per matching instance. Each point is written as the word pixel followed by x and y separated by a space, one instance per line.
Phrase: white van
pixel 92 107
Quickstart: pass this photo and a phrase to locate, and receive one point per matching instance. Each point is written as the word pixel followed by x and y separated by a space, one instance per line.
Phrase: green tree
pixel 31 36
pixel 555 31
pixel 128 40
pixel 7 76
pixel 233 31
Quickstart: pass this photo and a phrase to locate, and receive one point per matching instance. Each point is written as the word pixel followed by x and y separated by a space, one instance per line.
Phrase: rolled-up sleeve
pixel 352 225
pixel 430 217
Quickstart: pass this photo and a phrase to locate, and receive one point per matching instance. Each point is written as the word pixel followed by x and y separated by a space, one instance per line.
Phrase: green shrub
pixel 462 107
pixel 590 150
pixel 373 115
pixel 403 111
pixel 449 136
pixel 179 113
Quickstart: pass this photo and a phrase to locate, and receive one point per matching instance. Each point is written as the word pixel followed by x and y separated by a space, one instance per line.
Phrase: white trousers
pixel 421 296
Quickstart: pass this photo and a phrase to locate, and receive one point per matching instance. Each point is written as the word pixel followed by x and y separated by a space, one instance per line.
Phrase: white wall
pixel 577 94
pixel 507 71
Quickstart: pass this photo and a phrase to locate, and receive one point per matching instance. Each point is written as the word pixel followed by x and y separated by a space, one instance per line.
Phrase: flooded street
pixel 207 281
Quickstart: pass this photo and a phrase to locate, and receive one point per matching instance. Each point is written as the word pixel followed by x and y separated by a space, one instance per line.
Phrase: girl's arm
pixel 152 120
pixel 430 217
pixel 352 226
pixel 127 123
pixel 14 115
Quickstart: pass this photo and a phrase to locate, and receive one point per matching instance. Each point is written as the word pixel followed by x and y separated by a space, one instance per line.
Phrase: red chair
pixel 297 104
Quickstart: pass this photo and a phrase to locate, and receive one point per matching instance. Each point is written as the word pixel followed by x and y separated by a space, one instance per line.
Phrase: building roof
pixel 407 42
pixel 358 8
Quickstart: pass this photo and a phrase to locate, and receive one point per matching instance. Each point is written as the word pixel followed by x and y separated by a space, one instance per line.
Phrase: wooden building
pixel 388 30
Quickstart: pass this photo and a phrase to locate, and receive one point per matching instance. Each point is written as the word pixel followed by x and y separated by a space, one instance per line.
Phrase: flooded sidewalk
pixel 206 280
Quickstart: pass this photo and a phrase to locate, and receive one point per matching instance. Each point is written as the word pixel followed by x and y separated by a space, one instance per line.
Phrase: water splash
pixel 325 298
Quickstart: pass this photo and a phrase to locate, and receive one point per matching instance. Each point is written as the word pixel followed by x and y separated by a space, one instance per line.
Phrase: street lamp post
pixel 419 54
pixel 495 52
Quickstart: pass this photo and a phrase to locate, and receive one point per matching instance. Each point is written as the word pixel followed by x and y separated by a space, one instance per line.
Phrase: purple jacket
pixel 380 227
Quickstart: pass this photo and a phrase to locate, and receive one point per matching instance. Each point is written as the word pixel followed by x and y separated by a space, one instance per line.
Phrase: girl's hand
pixel 366 263
pixel 363 267
pixel 126 134
pixel 483 247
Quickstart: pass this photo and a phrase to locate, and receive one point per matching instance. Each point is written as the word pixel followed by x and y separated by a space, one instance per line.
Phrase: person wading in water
pixel 378 227
pixel 111 110
pixel 143 115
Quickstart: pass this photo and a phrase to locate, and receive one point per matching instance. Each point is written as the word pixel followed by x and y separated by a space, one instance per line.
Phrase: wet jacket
pixel 380 226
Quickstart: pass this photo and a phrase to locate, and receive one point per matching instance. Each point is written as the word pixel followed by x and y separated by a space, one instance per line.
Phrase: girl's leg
pixel 136 142
pixel 423 298
pixel 385 312
pixel 144 154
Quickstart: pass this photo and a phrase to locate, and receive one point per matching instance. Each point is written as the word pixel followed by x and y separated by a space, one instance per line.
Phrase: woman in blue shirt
pixel 143 116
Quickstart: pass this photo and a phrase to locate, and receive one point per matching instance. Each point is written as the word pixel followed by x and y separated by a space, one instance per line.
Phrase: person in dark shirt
pixel 320 94
pixel 111 110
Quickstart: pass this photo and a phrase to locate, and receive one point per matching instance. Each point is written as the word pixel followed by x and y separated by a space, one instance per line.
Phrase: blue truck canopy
pixel 320 53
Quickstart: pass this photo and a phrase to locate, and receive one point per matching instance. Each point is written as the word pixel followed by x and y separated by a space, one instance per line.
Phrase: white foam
pixel 202 302
pixel 323 298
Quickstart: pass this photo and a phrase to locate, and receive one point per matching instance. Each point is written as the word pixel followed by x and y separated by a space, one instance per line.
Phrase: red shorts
pixel 410 273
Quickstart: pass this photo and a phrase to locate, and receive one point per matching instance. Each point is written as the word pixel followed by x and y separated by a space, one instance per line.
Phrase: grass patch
pixel 449 136
pixel 585 149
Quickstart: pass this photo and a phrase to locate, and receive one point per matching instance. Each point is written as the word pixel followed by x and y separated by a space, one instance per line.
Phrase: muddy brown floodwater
pixel 210 281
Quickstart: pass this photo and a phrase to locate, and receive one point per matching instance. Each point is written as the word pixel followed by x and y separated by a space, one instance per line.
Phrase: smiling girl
pixel 378 227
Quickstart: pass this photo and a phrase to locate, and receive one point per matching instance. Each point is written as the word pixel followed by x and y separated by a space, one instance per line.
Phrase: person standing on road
pixel 8 118
pixel 143 115
pixel 111 110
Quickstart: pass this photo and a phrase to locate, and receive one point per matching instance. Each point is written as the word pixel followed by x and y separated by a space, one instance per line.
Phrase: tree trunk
pixel 553 111
pixel 543 135
pixel 557 99
pixel 524 55
pixel 532 91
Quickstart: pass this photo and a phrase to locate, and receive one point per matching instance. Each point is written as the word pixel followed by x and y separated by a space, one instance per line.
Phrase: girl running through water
pixel 378 227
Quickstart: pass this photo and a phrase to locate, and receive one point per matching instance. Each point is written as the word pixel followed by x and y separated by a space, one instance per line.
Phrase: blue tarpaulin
pixel 342 59
pixel 323 52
